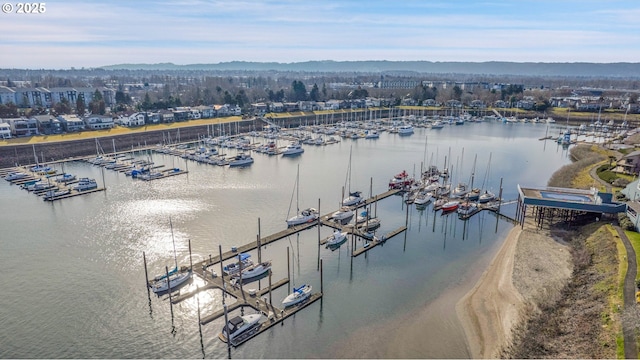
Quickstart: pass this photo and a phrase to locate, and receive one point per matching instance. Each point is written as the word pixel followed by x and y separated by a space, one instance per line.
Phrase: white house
pixel 96 122
pixel 135 119
pixel 5 131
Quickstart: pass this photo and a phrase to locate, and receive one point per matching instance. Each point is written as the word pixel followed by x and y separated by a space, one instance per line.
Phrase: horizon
pixel 73 34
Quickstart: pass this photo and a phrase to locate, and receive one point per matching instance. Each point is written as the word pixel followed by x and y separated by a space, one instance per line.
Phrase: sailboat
pixel 304 216
pixel 354 197
pixel 174 278
pixel 487 195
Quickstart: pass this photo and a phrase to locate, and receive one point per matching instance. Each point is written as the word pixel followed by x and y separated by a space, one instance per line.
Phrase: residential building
pixel 71 123
pixel 206 112
pixel 22 126
pixel 630 163
pixel 7 95
pixel 97 122
pixel 5 130
pixel 166 116
pixel 48 124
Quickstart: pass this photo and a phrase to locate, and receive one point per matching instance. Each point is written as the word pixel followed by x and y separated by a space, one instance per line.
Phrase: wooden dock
pixel 256 299
pixel 371 243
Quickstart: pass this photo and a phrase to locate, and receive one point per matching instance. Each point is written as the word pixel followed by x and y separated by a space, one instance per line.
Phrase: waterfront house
pixel 5 131
pixel 23 127
pixel 206 112
pixel 629 164
pixel 71 123
pixel 97 122
pixel 166 116
pixel 48 124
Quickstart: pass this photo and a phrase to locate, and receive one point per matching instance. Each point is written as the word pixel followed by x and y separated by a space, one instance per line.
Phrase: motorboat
pixel 401 181
pixel 450 205
pixel 243 262
pixel 16 175
pixel 241 160
pixel 299 294
pixel 372 134
pixel 295 148
pixel 239 325
pixel 404 130
pixel 254 271
pixel 173 282
pixel 305 216
pixel 467 208
pixel 336 238
pixel 460 190
pixel 437 124
pixel 423 198
pixel 354 198
pixel 85 184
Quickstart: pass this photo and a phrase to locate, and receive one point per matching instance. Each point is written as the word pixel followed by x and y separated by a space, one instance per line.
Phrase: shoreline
pixel 530 268
pixel 489 310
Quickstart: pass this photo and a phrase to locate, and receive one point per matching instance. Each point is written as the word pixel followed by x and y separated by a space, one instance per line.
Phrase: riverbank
pixel 534 260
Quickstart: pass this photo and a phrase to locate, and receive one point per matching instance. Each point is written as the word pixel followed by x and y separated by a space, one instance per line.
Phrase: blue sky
pixel 95 33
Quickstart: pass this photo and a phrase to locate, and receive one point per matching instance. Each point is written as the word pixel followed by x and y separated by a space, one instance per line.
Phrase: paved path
pixel 629 296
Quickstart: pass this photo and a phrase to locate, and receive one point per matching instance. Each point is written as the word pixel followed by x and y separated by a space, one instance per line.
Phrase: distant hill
pixel 580 69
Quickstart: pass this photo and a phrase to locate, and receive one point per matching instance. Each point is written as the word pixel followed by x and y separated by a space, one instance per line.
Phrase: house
pixel 135 119
pixel 48 124
pixel 454 103
pixel 276 107
pixel 71 123
pixel 206 112
pixel 629 164
pixel 23 127
pixel 181 114
pixel 478 104
pixel 97 122
pixel 332 105
pixel 5 131
pixel 166 116
pixel 501 104
pixel 429 102
pixel 153 118
pixel 259 108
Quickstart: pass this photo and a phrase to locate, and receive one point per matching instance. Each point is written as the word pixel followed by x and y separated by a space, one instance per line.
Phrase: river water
pixel 73 278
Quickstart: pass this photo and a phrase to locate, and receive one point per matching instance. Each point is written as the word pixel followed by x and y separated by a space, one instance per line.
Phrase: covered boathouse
pixel 570 206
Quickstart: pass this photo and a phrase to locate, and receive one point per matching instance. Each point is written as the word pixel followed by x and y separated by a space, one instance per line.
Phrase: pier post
pixel 319 222
pixel 190 257
pixel 166 269
pixel 146 274
pixel 321 279
pixel 406 220
pixel 226 327
pixel 224 288
pixel 258 244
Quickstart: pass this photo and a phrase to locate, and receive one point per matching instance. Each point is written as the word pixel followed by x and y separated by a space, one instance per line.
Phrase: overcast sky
pixel 95 33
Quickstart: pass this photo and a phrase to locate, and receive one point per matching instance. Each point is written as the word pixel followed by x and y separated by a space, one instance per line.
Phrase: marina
pixel 216 206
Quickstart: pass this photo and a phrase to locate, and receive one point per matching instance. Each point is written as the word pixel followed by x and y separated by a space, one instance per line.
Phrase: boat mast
pixel 175 255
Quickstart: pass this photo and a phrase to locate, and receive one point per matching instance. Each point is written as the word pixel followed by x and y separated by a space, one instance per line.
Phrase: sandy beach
pixel 537 263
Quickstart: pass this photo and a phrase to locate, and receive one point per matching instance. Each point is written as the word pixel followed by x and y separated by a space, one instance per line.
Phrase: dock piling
pixel 146 274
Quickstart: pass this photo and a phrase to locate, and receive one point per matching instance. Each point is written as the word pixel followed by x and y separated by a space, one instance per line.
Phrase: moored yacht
pixel 295 148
